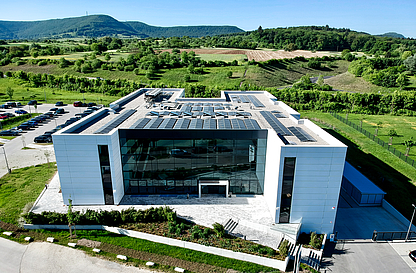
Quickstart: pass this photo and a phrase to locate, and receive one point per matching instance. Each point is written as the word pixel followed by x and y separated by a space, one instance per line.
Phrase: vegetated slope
pixel 99 26
pixel 191 31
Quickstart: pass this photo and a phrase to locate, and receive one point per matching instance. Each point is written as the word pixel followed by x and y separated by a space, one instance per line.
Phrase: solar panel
pixel 238 124
pixel 139 124
pixel 277 126
pixel 153 123
pixel 235 98
pixel 167 123
pixel 231 113
pixel 210 123
pixel 182 123
pixel 197 108
pixel 196 124
pixel 301 134
pixel 252 124
pixel 207 104
pixel 115 122
pixel 164 113
pixel 244 99
pixel 174 113
pixel 279 115
pixel 255 101
pixel 224 123
pixel 221 113
pixel 243 114
pixel 216 108
pixel 153 113
pixel 208 109
pixel 186 109
pixel 197 114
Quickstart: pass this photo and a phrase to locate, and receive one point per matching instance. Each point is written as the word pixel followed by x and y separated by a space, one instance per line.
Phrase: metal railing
pixel 380 142
pixel 392 235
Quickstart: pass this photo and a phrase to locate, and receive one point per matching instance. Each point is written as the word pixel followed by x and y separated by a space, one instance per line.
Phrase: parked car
pixel 77 103
pixel 9 133
pixel 24 126
pixel 59 103
pixel 60 111
pixel 80 115
pixel 9 114
pixel 91 104
pixel 33 123
pixel 32 102
pixel 42 139
pixel 45 117
pixel 12 104
pixel 50 114
pixel 49 133
pixel 60 126
pixel 18 104
pixel 5 106
pixel 20 112
pixel 37 119
pixel 3 116
pixel 412 255
pixel 53 109
pixel 15 129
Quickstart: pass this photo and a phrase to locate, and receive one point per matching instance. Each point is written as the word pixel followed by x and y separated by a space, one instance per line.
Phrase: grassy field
pixel 115 56
pixel 23 93
pixel 289 72
pixel 222 57
pixel 405 127
pixel 391 174
pixel 348 82
pixel 21 187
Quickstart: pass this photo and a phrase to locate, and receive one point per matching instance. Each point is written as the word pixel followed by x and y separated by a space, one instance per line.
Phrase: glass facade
pixel 287 189
pixel 173 161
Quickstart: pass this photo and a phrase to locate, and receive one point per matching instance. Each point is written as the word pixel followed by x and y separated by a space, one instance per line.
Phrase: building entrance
pixel 213 188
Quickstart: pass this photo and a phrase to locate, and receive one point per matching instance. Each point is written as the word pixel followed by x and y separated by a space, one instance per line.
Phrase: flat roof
pixel 167 108
pixel 360 181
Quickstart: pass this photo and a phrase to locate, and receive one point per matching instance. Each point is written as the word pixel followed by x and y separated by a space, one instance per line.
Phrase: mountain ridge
pixel 100 26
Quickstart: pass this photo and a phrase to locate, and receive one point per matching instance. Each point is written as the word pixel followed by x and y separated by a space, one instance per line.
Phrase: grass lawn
pixel 348 82
pixel 391 174
pixel 21 187
pixel 24 93
pixel 404 126
pixel 222 57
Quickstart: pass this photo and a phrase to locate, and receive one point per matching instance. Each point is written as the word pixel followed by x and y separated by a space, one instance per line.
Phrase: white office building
pixel 157 142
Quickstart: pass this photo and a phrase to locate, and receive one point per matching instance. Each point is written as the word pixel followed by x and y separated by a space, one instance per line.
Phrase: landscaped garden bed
pixel 161 221
pixel 311 240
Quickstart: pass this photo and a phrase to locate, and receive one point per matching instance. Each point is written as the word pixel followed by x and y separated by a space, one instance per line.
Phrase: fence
pixel 393 235
pixel 380 142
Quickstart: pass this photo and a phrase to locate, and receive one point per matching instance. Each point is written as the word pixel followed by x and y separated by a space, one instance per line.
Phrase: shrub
pixel 219 230
pixel 316 241
pixel 284 248
pixel 42 63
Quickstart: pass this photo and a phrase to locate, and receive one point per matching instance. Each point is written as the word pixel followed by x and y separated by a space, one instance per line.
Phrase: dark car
pixel 53 109
pixel 42 139
pixel 44 117
pixel 49 133
pixel 20 112
pixel 32 102
pixel 8 133
pixel 59 103
pixel 38 119
pixel 60 111
pixel 77 103
pixel 60 126
pixel 91 104
pixel 80 115
pixel 50 114
pixel 24 126
pixel 33 122
pixel 5 106
pixel 412 255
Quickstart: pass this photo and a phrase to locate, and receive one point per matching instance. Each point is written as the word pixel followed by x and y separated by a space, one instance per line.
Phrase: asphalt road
pixel 52 258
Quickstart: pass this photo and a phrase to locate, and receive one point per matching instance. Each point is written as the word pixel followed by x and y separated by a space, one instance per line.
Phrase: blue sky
pixel 370 16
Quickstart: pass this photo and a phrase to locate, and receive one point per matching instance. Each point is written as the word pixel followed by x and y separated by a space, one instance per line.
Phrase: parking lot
pixel 34 153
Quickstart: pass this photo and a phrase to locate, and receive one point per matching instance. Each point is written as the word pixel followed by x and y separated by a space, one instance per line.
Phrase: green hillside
pixel 100 26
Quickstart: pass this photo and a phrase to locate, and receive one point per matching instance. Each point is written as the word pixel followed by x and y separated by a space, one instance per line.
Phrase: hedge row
pixel 112 218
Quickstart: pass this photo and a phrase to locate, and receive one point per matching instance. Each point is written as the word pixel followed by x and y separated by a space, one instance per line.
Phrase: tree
pixel 392 133
pixel 191 68
pixel 410 63
pixel 402 80
pixel 9 92
pixel 107 57
pixel 229 74
pixel 186 78
pixel 320 80
pixel 408 143
pixel 406 55
pixel 71 219
pixel 379 125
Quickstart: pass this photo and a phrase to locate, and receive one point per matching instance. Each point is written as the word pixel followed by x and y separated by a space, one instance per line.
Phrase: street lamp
pixel 5 158
pixel 411 221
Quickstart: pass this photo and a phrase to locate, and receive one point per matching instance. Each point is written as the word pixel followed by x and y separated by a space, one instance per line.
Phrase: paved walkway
pixel 203 211
pixel 52 258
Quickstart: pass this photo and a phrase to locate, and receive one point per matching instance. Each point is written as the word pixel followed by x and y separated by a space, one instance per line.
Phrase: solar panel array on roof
pixel 244 99
pixel 139 124
pixel 186 108
pixel 277 126
pixel 196 124
pixel 224 123
pixel 153 123
pixel 115 122
pixel 301 134
pixel 167 123
pixel 238 124
pixel 255 101
pixel 235 98
pixel 252 124
pixel 197 108
pixel 182 123
pixel 279 115
pixel 153 92
pixel 210 123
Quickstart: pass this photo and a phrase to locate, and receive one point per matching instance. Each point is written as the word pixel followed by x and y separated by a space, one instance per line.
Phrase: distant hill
pixel 100 26
pixel 392 35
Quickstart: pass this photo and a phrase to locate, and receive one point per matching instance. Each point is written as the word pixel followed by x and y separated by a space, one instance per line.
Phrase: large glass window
pixel 287 189
pixel 106 174
pixel 174 162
